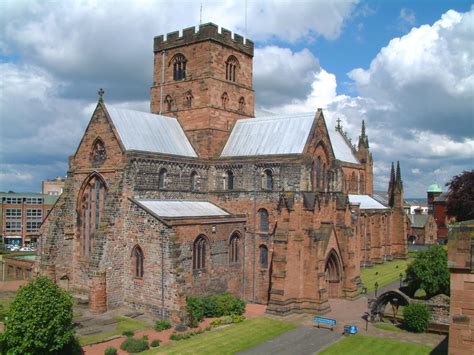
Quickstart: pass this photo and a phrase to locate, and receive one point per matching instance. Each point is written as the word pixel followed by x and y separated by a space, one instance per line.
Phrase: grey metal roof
pixel 381 197
pixel 366 202
pixel 418 220
pixel 285 134
pixel 180 208
pixel 341 149
pixel 150 133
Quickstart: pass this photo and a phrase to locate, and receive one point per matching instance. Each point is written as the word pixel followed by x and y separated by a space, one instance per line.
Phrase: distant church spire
pixel 398 180
pixel 363 139
pixel 391 184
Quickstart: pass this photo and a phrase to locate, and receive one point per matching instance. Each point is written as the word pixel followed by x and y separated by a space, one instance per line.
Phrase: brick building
pixel 422 228
pixel 52 186
pixel 199 197
pixel 21 215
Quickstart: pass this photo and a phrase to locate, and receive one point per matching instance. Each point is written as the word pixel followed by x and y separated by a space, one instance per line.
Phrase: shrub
pixel 162 324
pixel 227 304
pixel 128 333
pixel 155 343
pixel 110 351
pixel 195 307
pixel 226 320
pixel 224 304
pixel 416 317
pixel 183 336
pixel 40 319
pixel 132 345
pixel 180 327
pixel 237 318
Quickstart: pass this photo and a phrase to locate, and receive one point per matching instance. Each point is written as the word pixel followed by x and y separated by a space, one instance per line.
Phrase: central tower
pixel 204 79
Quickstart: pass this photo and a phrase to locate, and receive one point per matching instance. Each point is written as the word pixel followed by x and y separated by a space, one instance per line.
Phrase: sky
pixel 405 67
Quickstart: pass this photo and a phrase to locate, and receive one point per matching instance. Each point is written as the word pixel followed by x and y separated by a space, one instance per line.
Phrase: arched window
pixel 234 248
pixel 193 181
pixel 179 66
pixel 137 255
pixel 225 100
pixel 169 102
pixel 230 180
pixel 199 253
pixel 230 68
pixel 263 220
pixel 241 104
pixel 353 184
pixel 263 256
pixel 188 99
pixel 92 201
pixel 318 172
pixel 267 182
pixel 162 179
pixel 324 177
pixel 362 184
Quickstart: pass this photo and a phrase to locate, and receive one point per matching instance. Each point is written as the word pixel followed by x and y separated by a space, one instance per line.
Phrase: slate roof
pixel 341 149
pixel 381 197
pixel 150 132
pixel 182 208
pixel 418 220
pixel 366 202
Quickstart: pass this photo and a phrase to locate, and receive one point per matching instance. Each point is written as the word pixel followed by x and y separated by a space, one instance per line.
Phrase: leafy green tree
pixel 40 319
pixel 429 271
pixel 460 199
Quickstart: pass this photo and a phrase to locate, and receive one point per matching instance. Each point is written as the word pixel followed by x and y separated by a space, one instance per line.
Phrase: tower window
pixel 230 68
pixel 179 66
pixel 241 104
pixel 189 99
pixel 193 181
pixel 264 225
pixel 225 99
pixel 267 182
pixel 169 102
pixel 263 256
pixel 234 248
pixel 230 180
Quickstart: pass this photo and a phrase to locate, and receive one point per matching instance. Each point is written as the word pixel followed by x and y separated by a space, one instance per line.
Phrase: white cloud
pixel 406 18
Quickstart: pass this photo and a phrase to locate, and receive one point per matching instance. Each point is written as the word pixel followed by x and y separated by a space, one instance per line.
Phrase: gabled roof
pixel 150 132
pixel 341 149
pixel 272 135
pixel 182 208
pixel 366 202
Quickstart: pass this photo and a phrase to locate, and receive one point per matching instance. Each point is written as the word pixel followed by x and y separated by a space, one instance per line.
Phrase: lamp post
pixel 401 280
pixel 376 287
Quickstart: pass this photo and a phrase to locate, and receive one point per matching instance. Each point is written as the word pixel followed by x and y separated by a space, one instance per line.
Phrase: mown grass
pixel 369 345
pixel 228 340
pixel 124 324
pixel 388 326
pixel 383 274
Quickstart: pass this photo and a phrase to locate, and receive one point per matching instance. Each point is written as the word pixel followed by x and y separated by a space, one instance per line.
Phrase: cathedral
pixel 200 197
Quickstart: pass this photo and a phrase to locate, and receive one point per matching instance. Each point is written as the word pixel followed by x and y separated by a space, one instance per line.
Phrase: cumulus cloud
pixel 406 18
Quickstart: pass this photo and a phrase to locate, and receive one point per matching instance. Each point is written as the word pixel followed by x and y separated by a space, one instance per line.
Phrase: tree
pixel 429 271
pixel 460 199
pixel 40 319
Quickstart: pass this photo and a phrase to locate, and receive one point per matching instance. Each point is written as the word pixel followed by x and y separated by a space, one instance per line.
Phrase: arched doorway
pixel 333 275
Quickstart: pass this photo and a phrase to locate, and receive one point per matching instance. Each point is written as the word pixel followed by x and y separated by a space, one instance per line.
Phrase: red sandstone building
pixel 200 197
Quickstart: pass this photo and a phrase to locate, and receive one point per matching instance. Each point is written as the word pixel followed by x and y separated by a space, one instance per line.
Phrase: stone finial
pixel 338 126
pixel 101 93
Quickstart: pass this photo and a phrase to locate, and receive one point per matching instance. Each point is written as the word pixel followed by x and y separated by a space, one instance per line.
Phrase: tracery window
pixel 179 66
pixel 230 68
pixel 169 102
pixel 137 255
pixel 225 100
pixel 92 200
pixel 324 177
pixel 267 180
pixel 263 220
pixel 230 180
pixel 234 248
pixel 263 256
pixel 193 181
pixel 199 253
pixel 353 183
pixel 98 153
pixel 241 104
pixel 188 99
pixel 318 172
pixel 162 179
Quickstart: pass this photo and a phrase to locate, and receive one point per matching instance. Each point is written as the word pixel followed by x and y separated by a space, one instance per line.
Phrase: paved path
pixel 301 341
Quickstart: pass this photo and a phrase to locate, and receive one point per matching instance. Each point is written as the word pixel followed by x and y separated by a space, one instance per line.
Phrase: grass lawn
pixel 384 274
pixel 368 345
pixel 124 324
pixel 388 326
pixel 228 340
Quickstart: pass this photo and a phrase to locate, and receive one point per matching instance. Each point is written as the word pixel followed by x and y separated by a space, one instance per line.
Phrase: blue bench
pixel 326 321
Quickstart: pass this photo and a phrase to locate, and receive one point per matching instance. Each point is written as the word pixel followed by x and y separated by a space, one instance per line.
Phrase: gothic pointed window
pixel 230 180
pixel 234 248
pixel 263 220
pixel 92 201
pixel 225 100
pixel 169 102
pixel 324 177
pixel 199 253
pixel 137 255
pixel 242 105
pixel 231 66
pixel 193 181
pixel 179 66
pixel 318 172
pixel 162 179
pixel 263 256
pixel 188 99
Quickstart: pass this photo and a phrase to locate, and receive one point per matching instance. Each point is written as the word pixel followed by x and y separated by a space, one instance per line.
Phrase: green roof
pixel 434 188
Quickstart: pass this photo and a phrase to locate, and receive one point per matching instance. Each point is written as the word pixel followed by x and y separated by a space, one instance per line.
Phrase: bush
pixel 162 324
pixel 195 310
pixel 40 319
pixel 110 351
pixel 237 318
pixel 155 343
pixel 416 317
pixel 181 327
pixel 132 345
pixel 128 333
pixel 220 305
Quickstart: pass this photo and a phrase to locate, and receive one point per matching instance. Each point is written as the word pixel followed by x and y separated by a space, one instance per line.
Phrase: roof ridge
pixel 147 113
